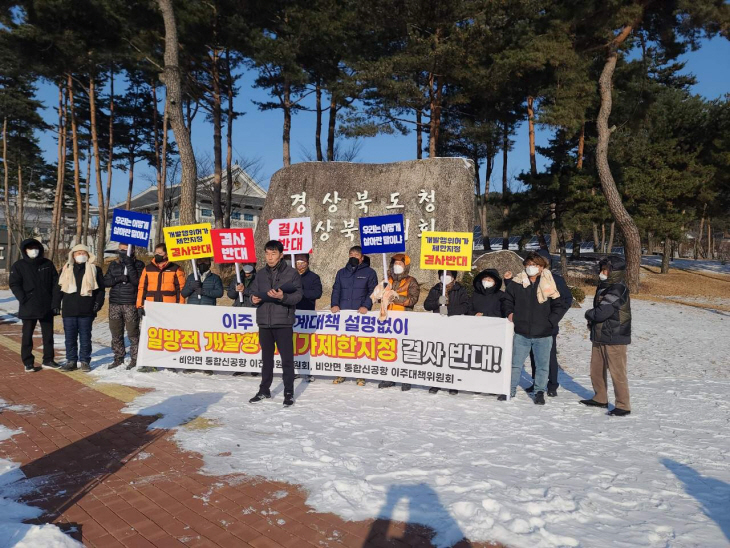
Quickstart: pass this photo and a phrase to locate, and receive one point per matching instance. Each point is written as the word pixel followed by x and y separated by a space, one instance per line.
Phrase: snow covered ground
pixel 689 264
pixel 14 533
pixel 468 465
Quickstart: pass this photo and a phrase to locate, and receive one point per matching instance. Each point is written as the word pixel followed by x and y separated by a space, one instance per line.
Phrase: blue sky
pixel 258 134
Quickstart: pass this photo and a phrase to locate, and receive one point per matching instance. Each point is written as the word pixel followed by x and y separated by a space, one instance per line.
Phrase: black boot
pixel 616 412
pixel 540 398
pixel 453 392
pixel 502 397
pixel 52 364
pixel 405 387
pixel 85 367
pixel 131 365
pixel 593 403
pixel 386 384
pixel 530 389
pixel 116 363
pixel 434 390
pixel 288 399
pixel 261 396
pixel 31 369
pixel 70 366
pixel 553 392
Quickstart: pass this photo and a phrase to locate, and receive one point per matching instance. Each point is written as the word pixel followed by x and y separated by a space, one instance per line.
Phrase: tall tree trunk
pixel 531 132
pixel 217 113
pixel 698 239
pixel 581 146
pixel 435 92
pixel 229 143
pixel 87 208
pixel 6 200
pixel 575 254
pixel 172 81
pixel 603 237
pixel 611 234
pixel 286 134
pixel 77 165
pixel 632 239
pixel 158 165
pixel 131 180
pixel 163 167
pixel 666 255
pixel 109 169
pixel 101 228
pixel 505 186
pixel 709 240
pixel 553 246
pixel 318 124
pixel 331 126
pixel 419 134
pixel 563 255
pixel 61 173
pixel 21 205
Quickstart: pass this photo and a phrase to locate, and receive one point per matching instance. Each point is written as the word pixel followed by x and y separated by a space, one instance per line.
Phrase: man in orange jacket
pixel 161 281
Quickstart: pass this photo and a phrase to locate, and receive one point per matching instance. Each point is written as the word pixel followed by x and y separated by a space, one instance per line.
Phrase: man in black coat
pixel 122 279
pixel 567 296
pixel 534 305
pixel 234 288
pixel 275 293
pixel 32 281
pixel 610 323
pixel 487 298
pixel 311 283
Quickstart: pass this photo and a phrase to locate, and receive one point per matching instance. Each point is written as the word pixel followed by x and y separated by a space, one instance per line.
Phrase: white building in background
pixel 247 202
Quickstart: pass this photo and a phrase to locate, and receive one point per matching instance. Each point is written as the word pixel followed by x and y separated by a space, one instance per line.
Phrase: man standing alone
pixel 32 281
pixel 275 293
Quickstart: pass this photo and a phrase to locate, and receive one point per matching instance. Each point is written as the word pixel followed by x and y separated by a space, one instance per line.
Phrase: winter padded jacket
pixel 162 285
pixel 565 294
pixel 405 285
pixel 211 291
pixel 33 282
pixel 311 291
pixel 280 313
pixel 610 317
pixel 458 300
pixel 233 294
pixel 487 301
pixel 532 319
pixel 353 287
pixel 123 291
pixel 73 305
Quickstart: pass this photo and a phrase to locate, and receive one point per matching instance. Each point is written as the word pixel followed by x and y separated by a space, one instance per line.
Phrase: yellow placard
pixel 446 250
pixel 188 241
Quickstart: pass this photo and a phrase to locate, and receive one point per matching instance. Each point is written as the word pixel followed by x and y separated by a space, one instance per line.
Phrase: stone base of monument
pixel 501 261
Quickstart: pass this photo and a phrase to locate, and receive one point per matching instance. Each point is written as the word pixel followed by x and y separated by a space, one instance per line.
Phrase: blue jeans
pixel 78 338
pixel 520 350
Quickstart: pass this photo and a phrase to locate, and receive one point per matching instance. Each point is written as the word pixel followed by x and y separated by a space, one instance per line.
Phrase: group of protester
pixel 534 300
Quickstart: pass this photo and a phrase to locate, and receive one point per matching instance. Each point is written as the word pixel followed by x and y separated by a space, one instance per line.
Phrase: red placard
pixel 233 245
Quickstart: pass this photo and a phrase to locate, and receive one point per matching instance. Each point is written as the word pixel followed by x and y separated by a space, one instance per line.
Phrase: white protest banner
pixel 459 352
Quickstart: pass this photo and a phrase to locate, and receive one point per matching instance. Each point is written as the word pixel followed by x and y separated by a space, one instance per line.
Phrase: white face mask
pixel 602 277
pixel 486 284
pixel 81 259
pixel 33 253
pixel 532 270
pixel 448 279
pixel 398 269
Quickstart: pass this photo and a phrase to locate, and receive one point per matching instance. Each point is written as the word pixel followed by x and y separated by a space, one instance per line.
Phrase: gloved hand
pixel 97 307
pixel 56 311
pixel 123 279
pixel 140 313
pixel 197 285
pixel 126 259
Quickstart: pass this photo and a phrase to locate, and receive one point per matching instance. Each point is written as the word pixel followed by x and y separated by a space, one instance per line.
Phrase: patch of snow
pixel 689 264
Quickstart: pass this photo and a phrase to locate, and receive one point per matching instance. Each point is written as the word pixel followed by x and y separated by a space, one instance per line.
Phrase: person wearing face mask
pixel 248 275
pixel 33 280
pixel 610 324
pixel 352 289
pixel 533 303
pixel 122 279
pixel 80 295
pixel 311 283
pixel 207 289
pixel 567 296
pixel 408 291
pixel 487 298
pixel 456 303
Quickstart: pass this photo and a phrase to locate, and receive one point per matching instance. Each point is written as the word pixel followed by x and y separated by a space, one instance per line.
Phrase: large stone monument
pixel 433 194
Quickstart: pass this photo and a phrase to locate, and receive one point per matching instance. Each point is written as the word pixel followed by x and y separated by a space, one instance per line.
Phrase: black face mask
pixel 353 262
pixel 122 254
pixel 159 258
pixel 203 268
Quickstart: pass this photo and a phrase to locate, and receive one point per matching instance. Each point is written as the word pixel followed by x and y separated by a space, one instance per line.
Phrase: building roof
pixel 246 192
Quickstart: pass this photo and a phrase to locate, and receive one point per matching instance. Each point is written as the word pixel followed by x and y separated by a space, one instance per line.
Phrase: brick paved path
pixel 104 477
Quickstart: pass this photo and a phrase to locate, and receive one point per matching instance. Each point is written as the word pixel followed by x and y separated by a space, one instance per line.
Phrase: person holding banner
pixel 456 302
pixel 80 295
pixel 122 278
pixel 533 303
pixel 234 288
pixel 275 293
pixel 407 293
pixel 354 283
pixel 206 290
